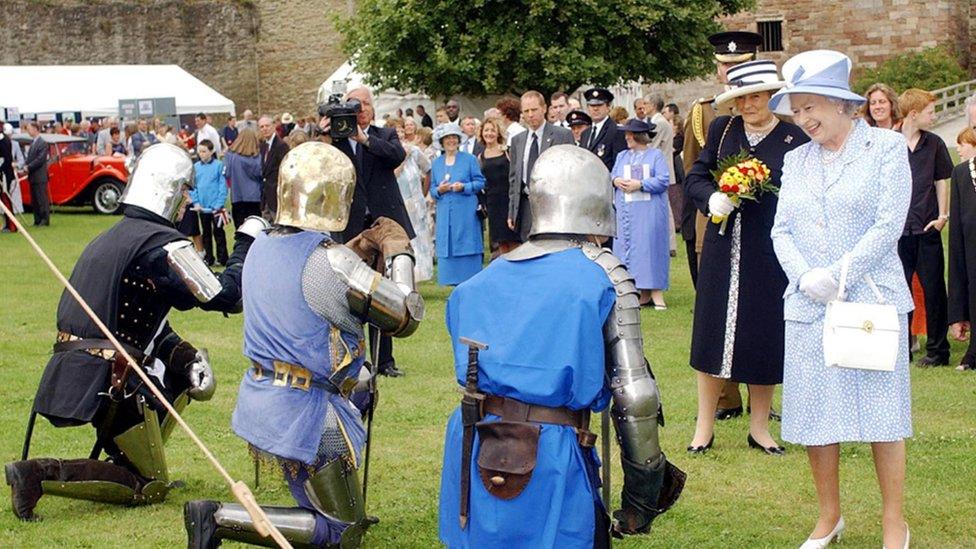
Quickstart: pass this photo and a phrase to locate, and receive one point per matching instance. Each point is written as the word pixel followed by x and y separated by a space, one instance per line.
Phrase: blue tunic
pixel 460 243
pixel 543 322
pixel 279 325
pixel 643 239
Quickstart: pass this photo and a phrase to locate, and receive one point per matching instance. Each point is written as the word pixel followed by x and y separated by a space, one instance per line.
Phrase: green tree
pixel 482 47
pixel 928 69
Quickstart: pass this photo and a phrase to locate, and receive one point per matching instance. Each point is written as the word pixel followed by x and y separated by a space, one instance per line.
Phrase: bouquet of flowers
pixel 741 177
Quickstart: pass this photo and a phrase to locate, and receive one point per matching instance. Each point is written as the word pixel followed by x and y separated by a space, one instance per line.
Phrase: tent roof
pixel 95 90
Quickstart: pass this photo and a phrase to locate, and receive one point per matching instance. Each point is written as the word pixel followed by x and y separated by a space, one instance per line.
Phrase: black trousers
pixel 922 254
pixel 242 210
pixel 40 202
pixel 692 261
pixel 211 232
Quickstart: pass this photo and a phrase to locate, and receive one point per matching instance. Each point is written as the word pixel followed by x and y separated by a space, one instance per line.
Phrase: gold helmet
pixel 316 182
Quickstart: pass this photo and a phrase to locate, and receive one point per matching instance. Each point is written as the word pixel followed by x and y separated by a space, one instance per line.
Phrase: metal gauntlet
pixel 391 305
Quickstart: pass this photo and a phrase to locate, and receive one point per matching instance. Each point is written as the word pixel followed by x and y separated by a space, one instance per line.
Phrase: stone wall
pixel 297 49
pixel 869 31
pixel 213 40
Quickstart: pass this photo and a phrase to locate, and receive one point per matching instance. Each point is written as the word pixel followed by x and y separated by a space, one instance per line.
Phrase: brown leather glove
pixel 384 238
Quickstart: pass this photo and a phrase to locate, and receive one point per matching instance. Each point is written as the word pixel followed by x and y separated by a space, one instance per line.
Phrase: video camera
pixel 342 115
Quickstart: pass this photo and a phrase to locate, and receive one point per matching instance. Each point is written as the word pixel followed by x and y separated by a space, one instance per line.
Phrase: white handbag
pixel 861 335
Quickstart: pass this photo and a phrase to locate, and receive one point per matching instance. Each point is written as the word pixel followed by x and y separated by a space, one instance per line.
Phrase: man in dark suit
pixel 376 153
pixel 526 148
pixel 273 150
pixel 425 119
pixel 37 174
pixel 602 139
pixel 7 177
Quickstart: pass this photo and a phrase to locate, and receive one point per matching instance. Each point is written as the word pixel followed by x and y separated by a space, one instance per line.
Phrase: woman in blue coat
pixel 455 182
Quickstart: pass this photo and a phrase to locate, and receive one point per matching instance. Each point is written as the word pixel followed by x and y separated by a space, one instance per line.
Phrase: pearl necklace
pixel 754 137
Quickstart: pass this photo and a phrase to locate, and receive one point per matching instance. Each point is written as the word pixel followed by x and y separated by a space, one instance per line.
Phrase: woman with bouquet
pixel 738 329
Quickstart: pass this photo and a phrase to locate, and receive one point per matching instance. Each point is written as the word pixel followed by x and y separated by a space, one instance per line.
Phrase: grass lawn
pixel 735 497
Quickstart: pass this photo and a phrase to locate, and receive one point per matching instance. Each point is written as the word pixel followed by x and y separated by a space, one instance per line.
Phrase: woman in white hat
pixel 845 194
pixel 738 328
pixel 455 180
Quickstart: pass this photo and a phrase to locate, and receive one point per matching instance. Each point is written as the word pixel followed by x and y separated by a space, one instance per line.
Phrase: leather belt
pixel 286 374
pixel 510 409
pixel 101 348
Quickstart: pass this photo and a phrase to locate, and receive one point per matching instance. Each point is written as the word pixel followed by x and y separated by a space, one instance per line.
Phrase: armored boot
pixel 648 492
pixel 87 479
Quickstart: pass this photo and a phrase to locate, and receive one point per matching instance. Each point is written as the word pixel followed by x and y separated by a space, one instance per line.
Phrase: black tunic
pixel 124 276
pixel 962 250
pixel 757 348
pixel 496 192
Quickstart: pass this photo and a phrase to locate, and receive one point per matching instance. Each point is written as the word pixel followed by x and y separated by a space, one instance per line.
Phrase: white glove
pixel 719 204
pixel 202 381
pixel 818 285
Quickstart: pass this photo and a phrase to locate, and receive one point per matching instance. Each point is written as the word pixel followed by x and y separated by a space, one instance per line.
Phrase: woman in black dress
pixel 494 165
pixel 962 247
pixel 738 325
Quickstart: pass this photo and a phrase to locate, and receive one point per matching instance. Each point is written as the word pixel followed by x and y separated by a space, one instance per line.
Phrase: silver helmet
pixel 570 193
pixel 316 182
pixel 158 179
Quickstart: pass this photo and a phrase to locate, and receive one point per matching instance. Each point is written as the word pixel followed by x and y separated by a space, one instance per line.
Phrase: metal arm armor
pixel 636 401
pixel 394 309
pixel 192 270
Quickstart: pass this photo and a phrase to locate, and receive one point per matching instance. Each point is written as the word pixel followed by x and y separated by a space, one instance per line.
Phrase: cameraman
pixel 376 153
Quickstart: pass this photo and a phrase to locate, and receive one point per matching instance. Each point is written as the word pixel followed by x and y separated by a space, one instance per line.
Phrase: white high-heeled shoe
pixel 908 536
pixel 820 543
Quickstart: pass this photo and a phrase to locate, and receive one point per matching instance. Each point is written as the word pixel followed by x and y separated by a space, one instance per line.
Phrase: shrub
pixel 929 69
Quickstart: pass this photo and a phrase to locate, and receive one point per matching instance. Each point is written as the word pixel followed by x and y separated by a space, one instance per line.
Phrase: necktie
pixel 589 144
pixel 533 156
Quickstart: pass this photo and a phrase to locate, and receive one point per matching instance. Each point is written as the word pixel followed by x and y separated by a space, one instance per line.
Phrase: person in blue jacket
pixel 544 335
pixel 208 198
pixel 456 180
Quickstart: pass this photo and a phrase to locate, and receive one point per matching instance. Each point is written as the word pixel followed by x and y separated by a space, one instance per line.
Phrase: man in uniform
pixel 306 298
pixel 535 363
pixel 731 48
pixel 602 138
pixel 131 276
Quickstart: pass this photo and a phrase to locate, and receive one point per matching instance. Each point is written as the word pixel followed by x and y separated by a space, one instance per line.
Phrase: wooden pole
pixel 238 488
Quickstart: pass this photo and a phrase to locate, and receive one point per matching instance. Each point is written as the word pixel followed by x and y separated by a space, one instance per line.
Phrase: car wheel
pixel 107 196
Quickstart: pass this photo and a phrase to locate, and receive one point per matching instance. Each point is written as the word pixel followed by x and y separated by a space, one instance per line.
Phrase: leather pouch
pixel 507 456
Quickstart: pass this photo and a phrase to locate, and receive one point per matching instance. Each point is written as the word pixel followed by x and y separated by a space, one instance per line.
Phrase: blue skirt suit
pixel 460 244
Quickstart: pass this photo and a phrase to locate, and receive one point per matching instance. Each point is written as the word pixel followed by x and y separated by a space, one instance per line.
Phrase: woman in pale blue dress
pixel 846 192
pixel 640 177
pixel 412 180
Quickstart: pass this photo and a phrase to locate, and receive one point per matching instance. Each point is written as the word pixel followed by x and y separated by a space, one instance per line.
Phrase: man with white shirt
pixel 538 136
pixel 206 131
pixel 560 103
pixel 471 145
pixel 602 139
pixel 640 110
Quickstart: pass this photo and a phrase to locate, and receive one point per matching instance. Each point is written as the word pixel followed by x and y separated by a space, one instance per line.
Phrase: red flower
pixel 725 188
pixel 735 188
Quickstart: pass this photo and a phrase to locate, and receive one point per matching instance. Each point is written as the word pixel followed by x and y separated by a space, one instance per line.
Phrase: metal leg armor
pixel 651 484
pixel 334 492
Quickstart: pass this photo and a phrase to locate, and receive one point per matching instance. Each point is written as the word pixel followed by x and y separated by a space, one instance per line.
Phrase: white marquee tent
pixel 95 90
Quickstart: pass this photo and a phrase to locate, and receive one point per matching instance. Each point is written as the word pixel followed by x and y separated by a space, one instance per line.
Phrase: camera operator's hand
pixel 324 126
pixel 360 136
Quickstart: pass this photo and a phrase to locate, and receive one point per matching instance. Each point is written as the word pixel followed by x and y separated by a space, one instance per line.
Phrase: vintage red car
pixel 76 177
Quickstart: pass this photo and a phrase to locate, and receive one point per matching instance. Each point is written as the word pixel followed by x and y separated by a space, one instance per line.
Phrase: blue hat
pixel 446 129
pixel 635 125
pixel 818 72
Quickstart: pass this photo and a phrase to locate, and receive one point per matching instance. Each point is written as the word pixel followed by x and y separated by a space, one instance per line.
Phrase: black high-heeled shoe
pixel 701 449
pixel 771 450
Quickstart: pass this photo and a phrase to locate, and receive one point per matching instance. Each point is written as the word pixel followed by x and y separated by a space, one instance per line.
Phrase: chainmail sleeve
pixel 325 293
